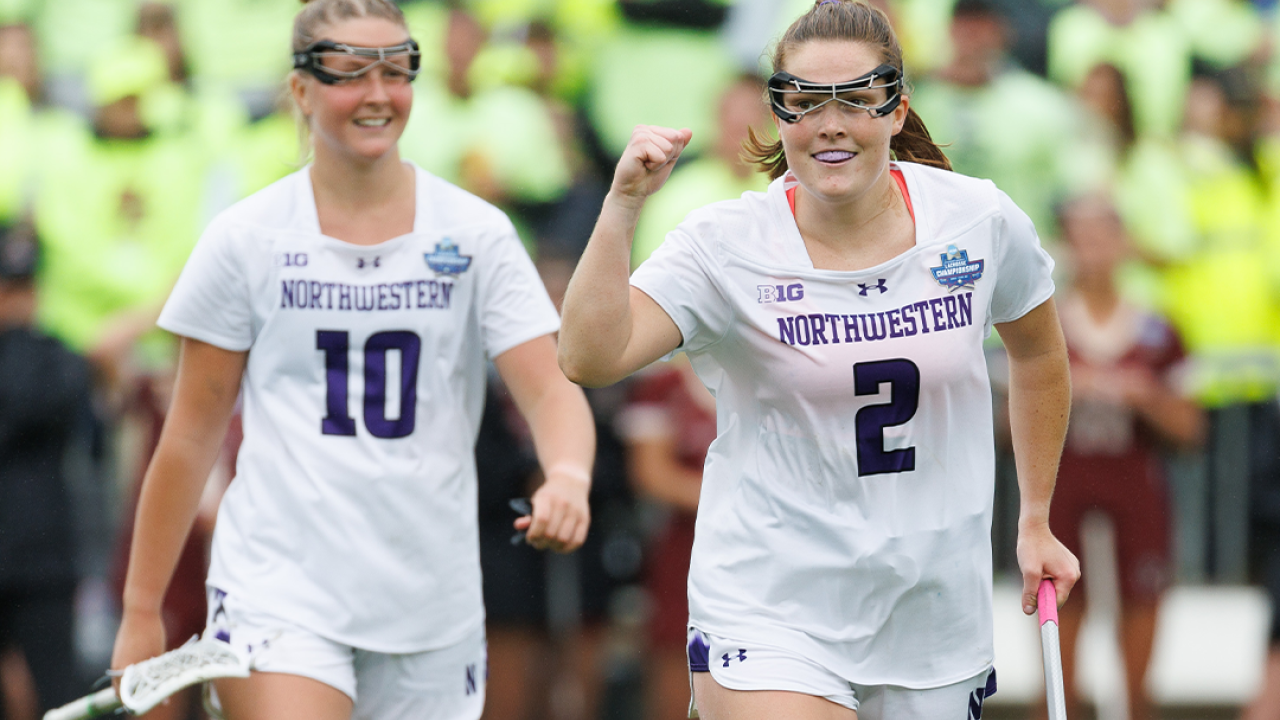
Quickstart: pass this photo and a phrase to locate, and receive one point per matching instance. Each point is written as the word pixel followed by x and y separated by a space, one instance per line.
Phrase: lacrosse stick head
pixel 145 684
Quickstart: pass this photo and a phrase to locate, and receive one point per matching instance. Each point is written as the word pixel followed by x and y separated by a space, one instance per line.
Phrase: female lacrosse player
pixel 842 562
pixel 353 304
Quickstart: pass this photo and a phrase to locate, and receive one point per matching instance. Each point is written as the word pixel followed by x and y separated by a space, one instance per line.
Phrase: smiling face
pixel 361 119
pixel 838 152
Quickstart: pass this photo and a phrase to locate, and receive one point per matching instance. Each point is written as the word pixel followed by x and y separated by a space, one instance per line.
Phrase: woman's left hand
pixel 561 514
pixel 1041 555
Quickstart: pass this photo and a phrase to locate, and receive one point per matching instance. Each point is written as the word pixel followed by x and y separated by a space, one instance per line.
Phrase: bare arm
pixel 204 396
pixel 610 329
pixel 1175 419
pixel 564 438
pixel 1039 405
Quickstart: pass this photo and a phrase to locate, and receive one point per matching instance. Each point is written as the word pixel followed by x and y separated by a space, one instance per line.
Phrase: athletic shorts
pixel 447 683
pixel 743 666
pixel 1136 499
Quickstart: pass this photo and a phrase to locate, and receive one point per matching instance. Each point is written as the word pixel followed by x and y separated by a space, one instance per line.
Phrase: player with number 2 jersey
pixel 841 562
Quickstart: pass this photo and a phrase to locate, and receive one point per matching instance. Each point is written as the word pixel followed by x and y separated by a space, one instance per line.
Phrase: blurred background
pixel 1142 137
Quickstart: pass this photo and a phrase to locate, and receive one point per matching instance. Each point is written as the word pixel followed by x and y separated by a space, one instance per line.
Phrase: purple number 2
pixel 337 421
pixel 904 396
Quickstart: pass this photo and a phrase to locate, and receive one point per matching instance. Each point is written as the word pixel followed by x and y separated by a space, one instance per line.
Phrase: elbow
pixel 582 373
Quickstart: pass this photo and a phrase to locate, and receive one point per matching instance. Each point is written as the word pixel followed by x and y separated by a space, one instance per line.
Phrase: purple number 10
pixel 904 396
pixel 335 344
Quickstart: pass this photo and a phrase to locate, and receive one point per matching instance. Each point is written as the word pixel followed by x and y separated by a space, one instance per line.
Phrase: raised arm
pixel 610 329
pixel 203 399
pixel 564 438
pixel 1039 405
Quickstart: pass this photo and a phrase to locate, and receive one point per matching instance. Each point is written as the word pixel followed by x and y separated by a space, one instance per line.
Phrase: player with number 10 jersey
pixel 353 507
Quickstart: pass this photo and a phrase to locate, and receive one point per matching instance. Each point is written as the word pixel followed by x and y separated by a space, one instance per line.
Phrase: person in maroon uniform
pixel 668 425
pixel 1125 410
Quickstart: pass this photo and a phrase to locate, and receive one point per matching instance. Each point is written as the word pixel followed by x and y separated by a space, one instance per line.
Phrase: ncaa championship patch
pixel 446 260
pixel 957 270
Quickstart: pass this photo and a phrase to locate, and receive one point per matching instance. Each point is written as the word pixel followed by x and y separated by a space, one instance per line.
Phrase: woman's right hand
pixel 647 162
pixel 141 636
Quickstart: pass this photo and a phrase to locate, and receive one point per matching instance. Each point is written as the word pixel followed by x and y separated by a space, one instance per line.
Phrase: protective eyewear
pixel 332 62
pixel 792 98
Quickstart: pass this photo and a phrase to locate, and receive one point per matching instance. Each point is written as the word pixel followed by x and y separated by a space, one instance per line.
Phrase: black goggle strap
pixel 310 60
pixel 885 76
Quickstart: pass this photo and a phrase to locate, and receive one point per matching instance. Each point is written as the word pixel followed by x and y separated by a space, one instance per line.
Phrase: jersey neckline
pixel 778 200
pixel 894 172
pixel 310 213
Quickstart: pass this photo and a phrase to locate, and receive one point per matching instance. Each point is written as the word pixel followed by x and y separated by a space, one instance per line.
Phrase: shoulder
pixel 452 209
pixel 949 197
pixel 48 353
pixel 1156 334
pixel 278 206
pixel 746 225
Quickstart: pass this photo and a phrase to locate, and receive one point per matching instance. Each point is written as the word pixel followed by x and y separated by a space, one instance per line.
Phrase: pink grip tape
pixel 1047 602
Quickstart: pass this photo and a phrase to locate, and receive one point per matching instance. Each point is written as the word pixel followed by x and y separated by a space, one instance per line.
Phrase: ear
pixel 298 89
pixel 900 114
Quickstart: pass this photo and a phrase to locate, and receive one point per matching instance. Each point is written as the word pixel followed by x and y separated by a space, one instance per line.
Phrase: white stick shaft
pixel 99 703
pixel 1053 688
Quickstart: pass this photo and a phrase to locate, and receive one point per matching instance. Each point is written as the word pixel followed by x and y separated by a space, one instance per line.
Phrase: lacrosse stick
pixel 146 684
pixel 1047 601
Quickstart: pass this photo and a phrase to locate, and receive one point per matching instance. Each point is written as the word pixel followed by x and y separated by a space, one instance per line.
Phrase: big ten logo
pixel 780 293
pixel 291 259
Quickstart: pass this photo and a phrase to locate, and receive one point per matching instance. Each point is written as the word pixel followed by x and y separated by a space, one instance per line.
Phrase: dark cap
pixel 977 8
pixel 19 252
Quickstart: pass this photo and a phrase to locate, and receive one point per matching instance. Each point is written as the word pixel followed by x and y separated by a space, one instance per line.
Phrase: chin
pixel 370 151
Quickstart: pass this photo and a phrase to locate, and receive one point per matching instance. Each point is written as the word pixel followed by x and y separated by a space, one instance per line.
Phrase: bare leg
pixel 1266 705
pixel 277 696
pixel 716 702
pixel 668 684
pixel 513 657
pixel 17 687
pixel 174 707
pixel 585 667
pixel 1137 636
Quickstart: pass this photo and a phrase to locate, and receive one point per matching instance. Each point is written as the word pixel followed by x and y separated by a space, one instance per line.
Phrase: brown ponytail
pixel 857 21
pixel 914 144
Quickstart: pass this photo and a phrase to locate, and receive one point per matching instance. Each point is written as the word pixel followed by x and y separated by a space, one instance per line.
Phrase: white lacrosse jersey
pixel 846 501
pixel 353 510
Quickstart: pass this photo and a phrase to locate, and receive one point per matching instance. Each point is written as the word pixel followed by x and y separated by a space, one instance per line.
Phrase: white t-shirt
pixel 846 502
pixel 353 511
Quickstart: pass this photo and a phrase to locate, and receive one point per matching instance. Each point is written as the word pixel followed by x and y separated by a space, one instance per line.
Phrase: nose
pixel 831 122
pixel 376 88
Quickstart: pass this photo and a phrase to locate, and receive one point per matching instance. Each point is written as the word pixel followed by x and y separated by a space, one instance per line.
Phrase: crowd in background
pixel 125 126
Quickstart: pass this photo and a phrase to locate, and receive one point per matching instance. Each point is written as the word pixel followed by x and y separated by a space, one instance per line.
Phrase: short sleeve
pixel 1024 275
pixel 513 303
pixel 211 301
pixel 679 276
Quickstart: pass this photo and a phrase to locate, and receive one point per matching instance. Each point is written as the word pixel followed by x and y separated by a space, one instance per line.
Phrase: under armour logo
pixel 878 286
pixel 377 262
pixel 742 655
pixel 975 703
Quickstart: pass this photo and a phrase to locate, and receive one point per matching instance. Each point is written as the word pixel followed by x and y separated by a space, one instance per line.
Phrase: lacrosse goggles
pixel 792 98
pixel 333 62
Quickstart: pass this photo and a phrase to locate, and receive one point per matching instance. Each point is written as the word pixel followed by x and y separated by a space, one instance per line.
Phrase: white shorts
pixel 744 666
pixel 447 683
